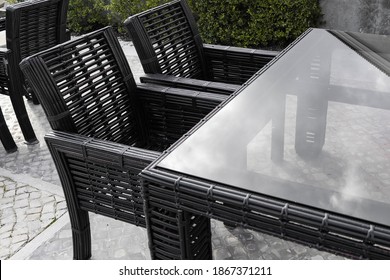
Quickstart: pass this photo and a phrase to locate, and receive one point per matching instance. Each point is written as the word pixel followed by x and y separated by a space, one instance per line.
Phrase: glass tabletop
pixel 313 128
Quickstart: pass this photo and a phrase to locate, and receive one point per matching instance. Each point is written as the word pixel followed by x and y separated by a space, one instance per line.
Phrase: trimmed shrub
pixel 245 23
pixel 255 23
pixel 87 15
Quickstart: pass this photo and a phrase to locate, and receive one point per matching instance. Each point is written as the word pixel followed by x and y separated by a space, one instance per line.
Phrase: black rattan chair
pixel 106 127
pixel 167 41
pixel 5 136
pixel 30 26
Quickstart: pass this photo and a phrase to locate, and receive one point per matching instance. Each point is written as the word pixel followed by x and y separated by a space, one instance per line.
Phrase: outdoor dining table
pixel 301 151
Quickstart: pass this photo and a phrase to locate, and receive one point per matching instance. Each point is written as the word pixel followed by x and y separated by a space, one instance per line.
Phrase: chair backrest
pixel 86 86
pixel 33 26
pixel 167 41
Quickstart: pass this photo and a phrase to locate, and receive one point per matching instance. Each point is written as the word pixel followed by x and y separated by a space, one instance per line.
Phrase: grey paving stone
pixel 6 228
pixel 64 234
pixel 35 203
pixel 9 193
pixel 5 242
pixel 21 203
pixel 9 219
pixel 4 253
pixel 5 205
pixel 19 238
pixel 22 196
pixel 20 231
pixel 48 207
pixel 16 247
pixel 33 217
pixel 33 210
pixel 47 199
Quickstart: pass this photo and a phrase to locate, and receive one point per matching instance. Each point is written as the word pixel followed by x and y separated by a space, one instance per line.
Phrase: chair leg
pixel 81 234
pixel 5 136
pixel 30 95
pixel 79 218
pixel 22 116
pixel 16 91
pixel 34 99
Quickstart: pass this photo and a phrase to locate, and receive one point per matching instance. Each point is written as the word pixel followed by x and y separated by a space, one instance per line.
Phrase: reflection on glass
pixel 314 128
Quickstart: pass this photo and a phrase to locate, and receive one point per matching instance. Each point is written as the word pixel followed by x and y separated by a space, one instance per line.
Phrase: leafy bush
pixel 247 23
pixel 255 23
pixel 87 15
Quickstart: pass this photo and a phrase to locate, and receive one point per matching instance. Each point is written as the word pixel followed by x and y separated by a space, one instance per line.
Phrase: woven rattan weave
pixel 107 128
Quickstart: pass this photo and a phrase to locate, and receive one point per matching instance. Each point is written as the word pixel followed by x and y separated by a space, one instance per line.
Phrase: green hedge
pixel 246 23
pixel 87 15
pixel 255 23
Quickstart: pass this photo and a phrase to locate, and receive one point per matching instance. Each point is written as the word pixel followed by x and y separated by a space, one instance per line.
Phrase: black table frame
pixel 191 202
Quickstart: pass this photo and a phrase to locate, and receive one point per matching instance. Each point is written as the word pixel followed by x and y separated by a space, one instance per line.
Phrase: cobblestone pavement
pixel 25 212
pixel 35 224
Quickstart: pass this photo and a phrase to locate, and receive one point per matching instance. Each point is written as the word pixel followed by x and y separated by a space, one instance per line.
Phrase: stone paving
pixel 35 225
pixel 25 212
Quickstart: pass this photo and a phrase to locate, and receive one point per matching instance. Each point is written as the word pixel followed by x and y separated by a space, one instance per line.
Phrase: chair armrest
pixel 100 176
pixel 233 64
pixel 187 83
pixel 2 24
pixel 172 112
pixel 99 151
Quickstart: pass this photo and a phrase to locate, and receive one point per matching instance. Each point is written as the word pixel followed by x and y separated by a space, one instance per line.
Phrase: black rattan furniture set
pixel 297 147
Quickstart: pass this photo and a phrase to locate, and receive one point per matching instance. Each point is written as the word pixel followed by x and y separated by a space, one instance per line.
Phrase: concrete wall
pixel 368 16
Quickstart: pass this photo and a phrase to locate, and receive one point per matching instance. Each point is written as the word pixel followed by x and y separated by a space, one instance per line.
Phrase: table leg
pixel 174 233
